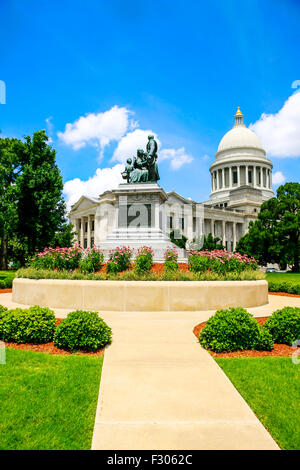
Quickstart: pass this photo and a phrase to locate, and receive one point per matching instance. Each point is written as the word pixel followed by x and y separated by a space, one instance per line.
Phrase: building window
pixel 181 223
pixel 259 177
pixel 235 177
pixel 93 225
pixel 170 222
pixel 250 176
pixel 226 245
pixel 85 243
pixel 85 226
pixel 92 242
pixel 231 246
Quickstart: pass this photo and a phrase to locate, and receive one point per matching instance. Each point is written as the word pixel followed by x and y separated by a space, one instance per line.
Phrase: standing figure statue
pixel 151 149
pixel 144 168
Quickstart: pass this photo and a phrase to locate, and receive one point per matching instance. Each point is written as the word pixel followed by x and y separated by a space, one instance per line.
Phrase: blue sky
pixel 177 68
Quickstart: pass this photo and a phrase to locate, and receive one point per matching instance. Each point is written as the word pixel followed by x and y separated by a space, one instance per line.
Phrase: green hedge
pixel 289 287
pixel 234 329
pixel 33 325
pixel 31 273
pixel 284 325
pixel 82 330
pixel 6 279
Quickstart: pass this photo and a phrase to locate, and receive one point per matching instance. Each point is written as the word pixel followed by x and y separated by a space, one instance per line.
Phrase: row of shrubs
pixel 6 279
pixel 235 329
pixel 68 259
pixel 6 283
pixel 284 286
pixel 81 330
pixel 133 275
pixel 90 260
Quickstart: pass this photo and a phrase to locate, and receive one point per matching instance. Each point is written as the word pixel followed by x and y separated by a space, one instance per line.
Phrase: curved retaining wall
pixel 140 295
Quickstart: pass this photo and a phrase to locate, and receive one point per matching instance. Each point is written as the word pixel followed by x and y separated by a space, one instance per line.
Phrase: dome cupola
pixel 240 162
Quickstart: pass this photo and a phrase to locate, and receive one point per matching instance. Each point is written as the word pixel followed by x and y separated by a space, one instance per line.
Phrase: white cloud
pixel 97 129
pixel 177 158
pixel 280 132
pixel 104 179
pixel 129 144
pixel 278 178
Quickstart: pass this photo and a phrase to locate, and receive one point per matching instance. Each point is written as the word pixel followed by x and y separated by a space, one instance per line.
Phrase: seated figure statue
pixel 144 167
pixel 140 172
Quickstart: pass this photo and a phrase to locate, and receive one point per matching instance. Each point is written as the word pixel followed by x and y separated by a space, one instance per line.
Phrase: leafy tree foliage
pixel 211 243
pixel 275 236
pixel 32 209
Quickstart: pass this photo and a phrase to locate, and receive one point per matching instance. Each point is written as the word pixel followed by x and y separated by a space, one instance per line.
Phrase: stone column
pixel 254 176
pixel 261 176
pixel 82 232
pixel 234 235
pixel 230 177
pixel 212 227
pixel 223 233
pixel 247 174
pixel 270 179
pixel 89 231
pixel 223 178
pixel 188 227
pixel 239 175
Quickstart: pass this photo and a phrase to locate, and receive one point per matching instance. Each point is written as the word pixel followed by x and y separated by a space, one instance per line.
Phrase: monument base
pixel 138 221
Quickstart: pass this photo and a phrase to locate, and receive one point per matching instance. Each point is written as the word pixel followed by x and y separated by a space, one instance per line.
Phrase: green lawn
pixel 270 385
pixel 284 282
pixel 47 401
pixel 290 277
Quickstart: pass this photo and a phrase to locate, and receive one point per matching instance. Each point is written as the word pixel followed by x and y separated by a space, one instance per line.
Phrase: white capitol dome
pixel 240 137
pixel 241 162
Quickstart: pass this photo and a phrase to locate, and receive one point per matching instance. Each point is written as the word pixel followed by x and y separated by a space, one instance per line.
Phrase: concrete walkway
pixel 160 390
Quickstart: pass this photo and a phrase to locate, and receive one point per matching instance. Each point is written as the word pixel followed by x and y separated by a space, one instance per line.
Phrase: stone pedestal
pixel 138 220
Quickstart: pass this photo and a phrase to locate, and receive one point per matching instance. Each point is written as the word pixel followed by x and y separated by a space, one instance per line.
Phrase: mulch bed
pixel 50 348
pixel 284 294
pixel 279 350
pixel 5 291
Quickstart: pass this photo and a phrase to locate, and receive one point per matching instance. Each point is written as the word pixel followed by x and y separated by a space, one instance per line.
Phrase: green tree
pixel 32 208
pixel 275 236
pixel 178 238
pixel 10 168
pixel 64 237
pixel 211 243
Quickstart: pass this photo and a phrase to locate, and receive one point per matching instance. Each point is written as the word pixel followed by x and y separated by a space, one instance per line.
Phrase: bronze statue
pixel 144 168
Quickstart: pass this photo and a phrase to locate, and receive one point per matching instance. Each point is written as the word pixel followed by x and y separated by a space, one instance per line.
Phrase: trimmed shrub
pixel 33 325
pixel 284 286
pixel 284 325
pixel 220 261
pixel 234 329
pixel 171 257
pixel 58 258
pixel 119 259
pixel 92 261
pixel 82 330
pixel 143 261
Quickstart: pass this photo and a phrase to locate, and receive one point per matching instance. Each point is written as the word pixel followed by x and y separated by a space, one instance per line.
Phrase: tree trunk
pixel 3 253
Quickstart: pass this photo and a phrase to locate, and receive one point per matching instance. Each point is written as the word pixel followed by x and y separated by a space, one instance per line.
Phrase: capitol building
pixel 144 214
